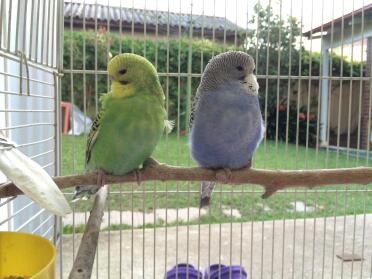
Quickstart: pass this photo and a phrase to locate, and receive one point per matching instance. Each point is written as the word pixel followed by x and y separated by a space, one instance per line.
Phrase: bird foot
pixel 137 175
pixel 224 175
pixel 150 162
pixel 101 178
pixel 249 165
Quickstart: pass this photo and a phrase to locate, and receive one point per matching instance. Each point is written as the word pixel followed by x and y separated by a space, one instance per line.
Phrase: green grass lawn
pixel 327 201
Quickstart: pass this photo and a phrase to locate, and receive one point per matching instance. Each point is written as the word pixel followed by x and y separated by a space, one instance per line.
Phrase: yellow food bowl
pixel 24 255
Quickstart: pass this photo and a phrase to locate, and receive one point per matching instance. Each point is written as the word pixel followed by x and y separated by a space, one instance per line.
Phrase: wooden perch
pixel 83 264
pixel 271 180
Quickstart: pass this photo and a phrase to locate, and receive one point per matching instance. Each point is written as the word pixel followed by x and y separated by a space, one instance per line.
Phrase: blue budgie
pixel 225 121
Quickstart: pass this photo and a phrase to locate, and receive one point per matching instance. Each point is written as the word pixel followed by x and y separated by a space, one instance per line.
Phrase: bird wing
pixel 168 125
pixel 193 108
pixel 92 136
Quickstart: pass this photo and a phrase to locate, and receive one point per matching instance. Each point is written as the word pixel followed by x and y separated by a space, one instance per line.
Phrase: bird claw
pixel 137 175
pixel 249 165
pixel 224 175
pixel 150 162
pixel 101 178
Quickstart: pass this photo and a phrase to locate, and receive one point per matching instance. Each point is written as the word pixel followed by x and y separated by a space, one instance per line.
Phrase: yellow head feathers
pixel 132 74
pixel 129 67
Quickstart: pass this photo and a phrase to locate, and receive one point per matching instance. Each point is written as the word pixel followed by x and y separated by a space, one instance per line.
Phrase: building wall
pixel 29 121
pixel 343 103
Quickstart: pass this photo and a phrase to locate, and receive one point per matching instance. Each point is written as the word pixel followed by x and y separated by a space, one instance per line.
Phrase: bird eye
pixel 122 71
pixel 239 68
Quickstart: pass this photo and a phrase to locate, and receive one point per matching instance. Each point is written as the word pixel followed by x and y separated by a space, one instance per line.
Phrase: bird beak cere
pixel 251 84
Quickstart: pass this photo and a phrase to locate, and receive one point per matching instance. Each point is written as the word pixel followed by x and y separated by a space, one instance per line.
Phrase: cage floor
pixel 310 260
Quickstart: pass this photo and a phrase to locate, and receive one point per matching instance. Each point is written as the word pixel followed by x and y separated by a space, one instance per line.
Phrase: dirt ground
pixel 270 249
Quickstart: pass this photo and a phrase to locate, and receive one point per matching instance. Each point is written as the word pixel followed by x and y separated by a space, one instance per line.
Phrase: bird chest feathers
pixel 227 128
pixel 129 132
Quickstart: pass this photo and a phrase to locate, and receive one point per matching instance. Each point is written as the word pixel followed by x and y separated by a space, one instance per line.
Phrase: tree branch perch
pixel 271 180
pixel 83 264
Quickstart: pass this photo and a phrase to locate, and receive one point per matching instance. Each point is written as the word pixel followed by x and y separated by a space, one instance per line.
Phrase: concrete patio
pixel 259 246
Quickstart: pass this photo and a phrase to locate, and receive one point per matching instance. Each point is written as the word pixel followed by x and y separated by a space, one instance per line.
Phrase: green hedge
pixel 202 51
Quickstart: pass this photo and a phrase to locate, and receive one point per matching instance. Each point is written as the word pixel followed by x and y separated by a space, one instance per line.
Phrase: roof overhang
pixel 354 16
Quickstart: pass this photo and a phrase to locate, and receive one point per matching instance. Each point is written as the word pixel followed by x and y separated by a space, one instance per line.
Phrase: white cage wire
pixel 306 91
pixel 29 48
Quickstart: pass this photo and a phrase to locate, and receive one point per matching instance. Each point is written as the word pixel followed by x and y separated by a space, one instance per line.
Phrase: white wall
pixel 37 108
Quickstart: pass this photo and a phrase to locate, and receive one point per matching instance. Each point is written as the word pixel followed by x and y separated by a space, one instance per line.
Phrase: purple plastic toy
pixel 216 270
pixel 211 269
pixel 183 271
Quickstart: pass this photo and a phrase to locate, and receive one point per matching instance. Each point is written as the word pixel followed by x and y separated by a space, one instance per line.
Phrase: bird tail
pixel 206 193
pixel 84 192
pixel 168 126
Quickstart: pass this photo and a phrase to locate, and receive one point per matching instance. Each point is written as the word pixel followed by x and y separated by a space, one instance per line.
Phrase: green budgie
pixel 130 124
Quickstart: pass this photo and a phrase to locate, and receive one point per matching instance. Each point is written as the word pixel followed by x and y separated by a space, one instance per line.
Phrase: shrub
pixel 283 111
pixel 202 51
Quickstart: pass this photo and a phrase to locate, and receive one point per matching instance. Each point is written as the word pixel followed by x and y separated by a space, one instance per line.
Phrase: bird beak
pixel 251 84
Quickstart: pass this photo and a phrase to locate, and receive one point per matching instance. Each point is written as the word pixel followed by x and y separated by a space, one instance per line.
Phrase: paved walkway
pixel 138 218
pixel 259 246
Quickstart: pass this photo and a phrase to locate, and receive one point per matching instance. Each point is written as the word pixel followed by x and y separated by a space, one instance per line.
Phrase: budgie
pixel 226 124
pixel 132 119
